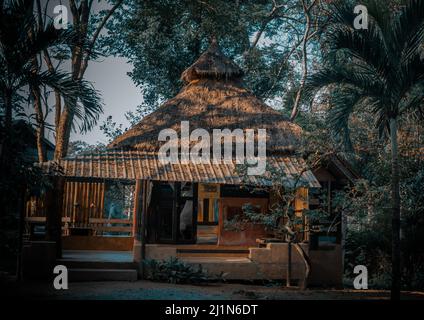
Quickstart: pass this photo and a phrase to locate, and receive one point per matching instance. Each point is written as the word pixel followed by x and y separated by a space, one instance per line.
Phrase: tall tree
pixel 21 41
pixel 161 38
pixel 82 50
pixel 378 69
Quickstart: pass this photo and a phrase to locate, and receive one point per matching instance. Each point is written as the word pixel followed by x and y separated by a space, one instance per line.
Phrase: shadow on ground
pixel 147 290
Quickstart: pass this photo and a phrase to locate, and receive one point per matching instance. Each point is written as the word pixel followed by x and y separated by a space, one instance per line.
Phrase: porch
pixel 130 202
pixel 234 262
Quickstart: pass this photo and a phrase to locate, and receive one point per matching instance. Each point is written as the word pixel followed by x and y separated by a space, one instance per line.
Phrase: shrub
pixel 176 271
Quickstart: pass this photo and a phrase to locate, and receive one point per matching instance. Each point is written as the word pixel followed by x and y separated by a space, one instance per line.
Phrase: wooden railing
pixel 95 226
pixel 104 226
pixel 82 212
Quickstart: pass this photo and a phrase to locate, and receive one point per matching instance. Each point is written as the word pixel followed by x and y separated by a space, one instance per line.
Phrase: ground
pixel 147 290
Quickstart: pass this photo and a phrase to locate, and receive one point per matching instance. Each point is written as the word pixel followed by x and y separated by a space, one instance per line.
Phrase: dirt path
pixel 142 290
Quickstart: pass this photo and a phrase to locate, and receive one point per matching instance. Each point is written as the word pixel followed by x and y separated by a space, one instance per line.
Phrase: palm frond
pixel 80 97
pixel 382 63
pixel 407 27
pixel 365 82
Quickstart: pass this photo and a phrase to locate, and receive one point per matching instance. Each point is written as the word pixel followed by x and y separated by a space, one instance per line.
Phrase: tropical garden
pixel 352 79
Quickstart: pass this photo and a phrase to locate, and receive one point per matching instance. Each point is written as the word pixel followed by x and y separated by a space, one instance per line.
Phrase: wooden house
pixel 126 199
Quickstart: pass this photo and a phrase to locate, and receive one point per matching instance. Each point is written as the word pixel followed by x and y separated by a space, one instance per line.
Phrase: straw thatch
pixel 136 164
pixel 212 64
pixel 213 98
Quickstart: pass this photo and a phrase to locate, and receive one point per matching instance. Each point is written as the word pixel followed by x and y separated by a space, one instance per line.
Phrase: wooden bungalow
pixel 126 199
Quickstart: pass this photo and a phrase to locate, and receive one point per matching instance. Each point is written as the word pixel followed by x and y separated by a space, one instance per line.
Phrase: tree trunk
pixel 396 269
pixel 63 133
pixel 57 108
pixel 40 124
pixel 4 139
pixel 307 263
pixel 79 62
pixel 8 110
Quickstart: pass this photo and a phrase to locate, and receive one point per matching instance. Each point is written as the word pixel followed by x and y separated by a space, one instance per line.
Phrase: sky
pixel 109 76
pixel 119 94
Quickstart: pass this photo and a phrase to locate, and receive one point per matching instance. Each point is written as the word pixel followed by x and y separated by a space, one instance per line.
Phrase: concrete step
pixel 82 275
pixel 79 264
pixel 229 251
pixel 212 254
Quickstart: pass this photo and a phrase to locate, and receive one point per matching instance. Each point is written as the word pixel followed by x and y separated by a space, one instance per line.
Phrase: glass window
pixel 119 201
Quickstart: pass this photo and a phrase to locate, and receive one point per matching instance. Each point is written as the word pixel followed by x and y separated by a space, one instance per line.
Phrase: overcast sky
pixel 109 77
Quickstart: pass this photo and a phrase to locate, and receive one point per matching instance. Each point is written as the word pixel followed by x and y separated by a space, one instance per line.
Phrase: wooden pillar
pixel 138 204
pixel 23 214
pixel 54 214
pixel 143 225
pixel 176 210
pixel 139 224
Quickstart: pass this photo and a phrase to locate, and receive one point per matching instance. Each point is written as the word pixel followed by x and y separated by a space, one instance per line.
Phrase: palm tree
pixel 378 69
pixel 21 41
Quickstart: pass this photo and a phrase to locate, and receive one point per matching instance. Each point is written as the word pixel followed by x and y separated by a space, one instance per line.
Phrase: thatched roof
pixel 213 98
pixel 212 64
pixel 136 164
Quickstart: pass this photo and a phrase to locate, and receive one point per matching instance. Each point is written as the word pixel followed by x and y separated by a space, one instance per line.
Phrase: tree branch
pixel 96 35
pixel 306 9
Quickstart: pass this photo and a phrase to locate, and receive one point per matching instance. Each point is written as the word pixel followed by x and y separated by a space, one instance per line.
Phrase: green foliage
pixel 79 147
pixel 177 272
pixel 111 129
pixel 18 177
pixel 367 210
pixel 162 38
pixel 21 40
pixel 378 69
pixel 280 218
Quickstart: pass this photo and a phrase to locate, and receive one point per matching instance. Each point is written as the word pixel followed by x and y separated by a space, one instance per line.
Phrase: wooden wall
pixel 248 235
pixel 83 200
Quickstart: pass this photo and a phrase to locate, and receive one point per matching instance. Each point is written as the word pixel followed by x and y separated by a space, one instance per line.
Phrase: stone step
pixel 82 275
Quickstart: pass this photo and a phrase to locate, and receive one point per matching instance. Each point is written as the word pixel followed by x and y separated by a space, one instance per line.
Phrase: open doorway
pixel 173 217
pixel 208 213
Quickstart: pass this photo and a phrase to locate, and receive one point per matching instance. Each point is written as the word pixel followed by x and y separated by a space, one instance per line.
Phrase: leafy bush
pixel 175 271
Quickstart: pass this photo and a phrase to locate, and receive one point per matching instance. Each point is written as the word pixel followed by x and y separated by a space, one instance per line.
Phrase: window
pixel 119 201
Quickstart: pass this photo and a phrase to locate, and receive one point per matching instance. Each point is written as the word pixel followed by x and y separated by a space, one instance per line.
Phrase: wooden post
pixel 137 207
pixel 54 214
pixel 143 226
pixel 22 211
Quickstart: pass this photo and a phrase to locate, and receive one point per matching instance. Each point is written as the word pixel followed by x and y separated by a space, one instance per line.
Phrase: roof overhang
pixel 134 165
